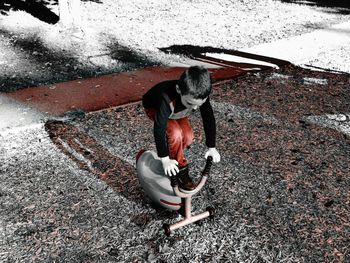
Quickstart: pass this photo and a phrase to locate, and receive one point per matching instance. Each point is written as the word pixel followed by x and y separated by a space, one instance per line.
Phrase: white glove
pixel 169 166
pixel 213 153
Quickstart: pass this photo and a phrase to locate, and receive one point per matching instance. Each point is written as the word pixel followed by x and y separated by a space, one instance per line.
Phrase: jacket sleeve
pixel 160 126
pixel 209 123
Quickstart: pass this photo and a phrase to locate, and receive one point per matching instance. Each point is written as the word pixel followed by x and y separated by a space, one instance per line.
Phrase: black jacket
pixel 167 103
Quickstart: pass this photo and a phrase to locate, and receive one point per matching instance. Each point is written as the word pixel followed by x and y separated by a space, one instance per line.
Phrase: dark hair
pixel 195 81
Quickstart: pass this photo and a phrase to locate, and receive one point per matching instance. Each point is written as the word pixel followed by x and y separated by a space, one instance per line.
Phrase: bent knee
pixel 175 135
pixel 188 139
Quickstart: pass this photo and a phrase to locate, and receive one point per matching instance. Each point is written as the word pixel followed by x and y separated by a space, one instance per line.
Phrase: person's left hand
pixel 213 153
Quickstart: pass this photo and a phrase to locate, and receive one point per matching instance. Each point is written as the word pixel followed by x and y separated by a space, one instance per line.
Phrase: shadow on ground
pixel 48 66
pixel 338 6
pixel 37 8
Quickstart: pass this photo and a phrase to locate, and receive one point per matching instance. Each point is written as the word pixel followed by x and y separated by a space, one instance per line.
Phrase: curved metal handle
pixel 200 184
pixel 207 167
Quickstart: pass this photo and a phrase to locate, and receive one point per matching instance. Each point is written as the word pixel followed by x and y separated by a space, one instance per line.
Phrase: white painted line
pixel 83 146
pixel 339 122
pixel 77 155
pixel 192 62
pixel 311 81
pixel 306 81
pixel 220 64
pixel 304 2
pixel 238 59
pixel 279 76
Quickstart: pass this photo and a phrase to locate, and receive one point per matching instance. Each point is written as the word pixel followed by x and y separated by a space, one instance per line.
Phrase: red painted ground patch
pixel 92 94
pixel 102 92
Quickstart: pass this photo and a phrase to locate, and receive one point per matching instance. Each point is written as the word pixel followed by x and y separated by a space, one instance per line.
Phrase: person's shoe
pixel 184 180
pixel 182 211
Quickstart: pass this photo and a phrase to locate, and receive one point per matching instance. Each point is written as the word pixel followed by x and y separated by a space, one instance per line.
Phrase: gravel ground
pixel 69 191
pixel 281 190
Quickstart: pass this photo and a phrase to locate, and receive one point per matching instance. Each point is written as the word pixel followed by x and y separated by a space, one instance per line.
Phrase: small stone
pixel 152 258
pixel 337 117
pixel 341 117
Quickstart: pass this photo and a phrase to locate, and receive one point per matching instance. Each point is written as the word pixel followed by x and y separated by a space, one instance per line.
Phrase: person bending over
pixel 168 104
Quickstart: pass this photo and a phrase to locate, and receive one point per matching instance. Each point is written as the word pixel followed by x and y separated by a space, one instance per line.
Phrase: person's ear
pixel 178 89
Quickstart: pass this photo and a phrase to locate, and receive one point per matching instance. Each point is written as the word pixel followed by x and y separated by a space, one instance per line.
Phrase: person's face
pixel 191 103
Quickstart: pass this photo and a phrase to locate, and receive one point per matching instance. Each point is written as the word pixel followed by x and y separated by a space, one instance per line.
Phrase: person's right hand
pixel 170 166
